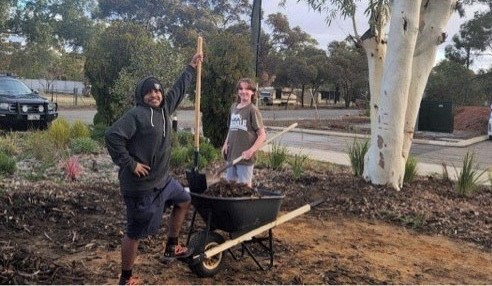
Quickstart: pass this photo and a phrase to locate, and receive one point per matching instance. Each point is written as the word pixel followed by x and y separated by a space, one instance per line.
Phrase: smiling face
pixel 153 98
pixel 244 92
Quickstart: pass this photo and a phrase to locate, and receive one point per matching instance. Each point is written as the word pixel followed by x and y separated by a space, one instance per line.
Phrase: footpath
pixel 342 158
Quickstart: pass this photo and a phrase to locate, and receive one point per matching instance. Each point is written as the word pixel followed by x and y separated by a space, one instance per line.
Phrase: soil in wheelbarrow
pixel 225 189
pixel 52 232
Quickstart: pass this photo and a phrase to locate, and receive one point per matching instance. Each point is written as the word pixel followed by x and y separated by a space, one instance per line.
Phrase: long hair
pixel 251 85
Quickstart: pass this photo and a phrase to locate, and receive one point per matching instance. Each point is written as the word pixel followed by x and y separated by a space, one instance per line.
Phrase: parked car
pixel 490 123
pixel 21 107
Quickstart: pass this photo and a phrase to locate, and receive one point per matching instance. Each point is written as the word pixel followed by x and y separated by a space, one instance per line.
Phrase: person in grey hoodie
pixel 140 144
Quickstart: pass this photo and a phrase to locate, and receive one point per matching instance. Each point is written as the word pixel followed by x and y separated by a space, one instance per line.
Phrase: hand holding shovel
pixel 215 177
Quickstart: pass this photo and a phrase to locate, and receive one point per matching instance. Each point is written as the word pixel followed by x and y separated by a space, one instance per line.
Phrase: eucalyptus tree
pixel 473 39
pixel 399 65
pixel 179 21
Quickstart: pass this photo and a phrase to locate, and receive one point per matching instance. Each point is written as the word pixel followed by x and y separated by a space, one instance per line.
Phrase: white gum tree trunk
pixel 385 163
pixel 434 18
pixel 375 50
pixel 415 32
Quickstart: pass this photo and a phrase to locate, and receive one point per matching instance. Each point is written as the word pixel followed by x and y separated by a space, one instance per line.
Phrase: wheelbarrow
pixel 243 218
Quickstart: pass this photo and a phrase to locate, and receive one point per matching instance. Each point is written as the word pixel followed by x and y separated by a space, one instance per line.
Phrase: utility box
pixel 436 116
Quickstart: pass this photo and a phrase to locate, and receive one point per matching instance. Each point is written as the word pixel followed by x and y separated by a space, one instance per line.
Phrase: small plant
pixel 72 168
pixel 8 144
pixel 79 129
pixel 297 163
pixel 410 170
pixel 97 132
pixel 445 173
pixel 278 156
pixel 59 132
pixel 356 153
pixel 41 147
pixel 469 177
pixel 7 164
pixel 84 145
pixel 179 156
pixel 415 222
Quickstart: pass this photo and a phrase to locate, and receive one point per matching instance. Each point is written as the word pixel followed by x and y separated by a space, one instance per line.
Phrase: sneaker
pixel 129 281
pixel 176 251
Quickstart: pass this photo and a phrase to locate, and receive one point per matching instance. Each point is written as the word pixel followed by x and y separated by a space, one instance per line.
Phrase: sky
pixel 313 23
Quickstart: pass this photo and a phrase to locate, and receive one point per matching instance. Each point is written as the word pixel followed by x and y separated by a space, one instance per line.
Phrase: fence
pixel 57 86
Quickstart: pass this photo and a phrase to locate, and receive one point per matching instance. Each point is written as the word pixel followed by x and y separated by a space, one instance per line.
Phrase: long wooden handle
pixel 198 93
pixel 247 236
pixel 235 161
pixel 292 126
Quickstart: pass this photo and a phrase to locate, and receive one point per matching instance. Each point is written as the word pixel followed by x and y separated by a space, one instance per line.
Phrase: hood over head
pixel 145 85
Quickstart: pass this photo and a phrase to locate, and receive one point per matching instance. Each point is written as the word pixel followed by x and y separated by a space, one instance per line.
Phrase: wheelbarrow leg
pixel 192 227
pixel 268 248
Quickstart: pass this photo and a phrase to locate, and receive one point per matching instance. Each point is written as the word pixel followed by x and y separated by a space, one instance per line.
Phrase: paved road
pixel 185 117
pixel 424 153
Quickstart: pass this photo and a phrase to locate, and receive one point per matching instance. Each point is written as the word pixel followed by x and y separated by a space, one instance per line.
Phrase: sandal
pixel 177 251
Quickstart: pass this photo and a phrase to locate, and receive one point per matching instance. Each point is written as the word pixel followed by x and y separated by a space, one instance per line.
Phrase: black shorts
pixel 144 210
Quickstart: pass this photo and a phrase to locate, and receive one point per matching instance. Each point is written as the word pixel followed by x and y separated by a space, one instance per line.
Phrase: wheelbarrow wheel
pixel 207 267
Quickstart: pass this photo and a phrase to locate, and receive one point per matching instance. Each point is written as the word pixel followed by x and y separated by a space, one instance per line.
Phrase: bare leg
pixel 177 218
pixel 128 252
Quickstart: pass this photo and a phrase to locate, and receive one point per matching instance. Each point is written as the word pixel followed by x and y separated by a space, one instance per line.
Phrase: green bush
pixel 8 144
pixel 180 156
pixel 79 130
pixel 97 132
pixel 7 164
pixel 41 147
pixel 297 163
pixel 277 156
pixel 469 177
pixel 356 153
pixel 59 132
pixel 84 145
pixel 410 170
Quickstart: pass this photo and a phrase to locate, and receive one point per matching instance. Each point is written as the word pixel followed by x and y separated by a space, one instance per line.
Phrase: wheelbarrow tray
pixel 238 214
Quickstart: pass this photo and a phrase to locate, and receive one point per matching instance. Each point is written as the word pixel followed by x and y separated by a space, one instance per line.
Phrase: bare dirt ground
pixel 55 232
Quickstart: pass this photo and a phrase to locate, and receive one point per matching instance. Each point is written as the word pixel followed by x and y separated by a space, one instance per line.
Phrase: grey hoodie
pixel 143 134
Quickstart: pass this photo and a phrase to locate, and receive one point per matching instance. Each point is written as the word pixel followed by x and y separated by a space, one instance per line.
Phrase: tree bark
pixel 434 17
pixel 385 161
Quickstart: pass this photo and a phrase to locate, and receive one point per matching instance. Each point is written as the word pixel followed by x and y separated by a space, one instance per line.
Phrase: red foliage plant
pixel 72 168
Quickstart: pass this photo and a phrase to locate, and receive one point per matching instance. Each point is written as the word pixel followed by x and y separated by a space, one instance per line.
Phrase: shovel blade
pixel 196 181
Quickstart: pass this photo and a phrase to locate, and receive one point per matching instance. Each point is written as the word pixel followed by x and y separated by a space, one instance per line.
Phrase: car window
pixel 14 87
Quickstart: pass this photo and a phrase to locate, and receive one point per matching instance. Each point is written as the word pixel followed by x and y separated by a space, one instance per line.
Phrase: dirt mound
pixel 472 118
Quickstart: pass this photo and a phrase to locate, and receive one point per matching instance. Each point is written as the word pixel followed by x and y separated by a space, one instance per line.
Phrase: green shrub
pixel 59 132
pixel 469 177
pixel 356 153
pixel 410 170
pixel 8 144
pixel 180 156
pixel 84 145
pixel 277 156
pixel 297 163
pixel 41 147
pixel 7 164
pixel 98 131
pixel 79 130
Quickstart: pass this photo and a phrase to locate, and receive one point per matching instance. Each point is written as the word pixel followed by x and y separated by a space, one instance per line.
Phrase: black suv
pixel 21 107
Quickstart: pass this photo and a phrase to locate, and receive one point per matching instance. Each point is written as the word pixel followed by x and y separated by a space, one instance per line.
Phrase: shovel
pixel 215 177
pixel 196 180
